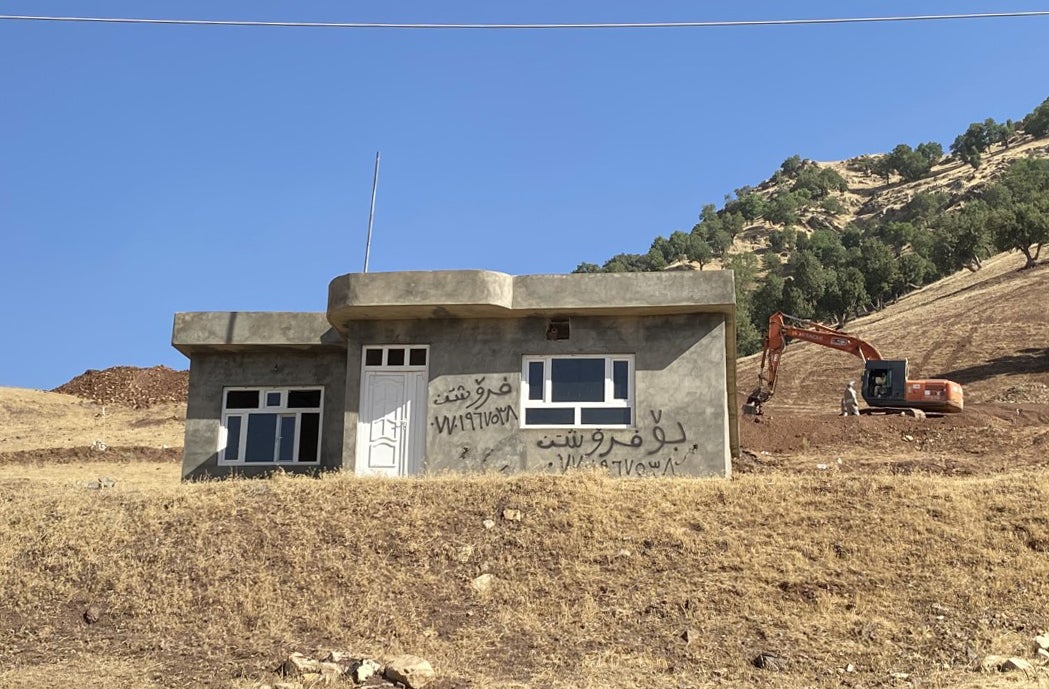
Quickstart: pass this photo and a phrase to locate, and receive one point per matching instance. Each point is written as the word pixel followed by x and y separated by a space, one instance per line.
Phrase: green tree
pixel 721 242
pixel 1037 122
pixel 749 205
pixel 1019 208
pixel 818 181
pixel 827 247
pixel 792 165
pixel 630 263
pixel 912 165
pixel 772 262
pixel 732 223
pixel 962 239
pixel 844 296
pixel 923 207
pixel 744 269
pixel 766 300
pixel 698 248
pixel 880 270
pixel 797 302
pixel 807 275
pixel 913 270
pixel 897 235
pixel 782 209
pixel 970 145
pixel 588 268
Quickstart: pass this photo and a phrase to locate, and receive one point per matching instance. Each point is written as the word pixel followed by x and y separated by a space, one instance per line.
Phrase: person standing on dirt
pixel 849 405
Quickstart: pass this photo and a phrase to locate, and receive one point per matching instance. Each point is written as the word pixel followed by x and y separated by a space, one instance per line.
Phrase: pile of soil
pixel 129 386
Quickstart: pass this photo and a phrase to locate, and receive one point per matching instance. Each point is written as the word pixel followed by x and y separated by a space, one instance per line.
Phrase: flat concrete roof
pixel 488 294
pixel 231 331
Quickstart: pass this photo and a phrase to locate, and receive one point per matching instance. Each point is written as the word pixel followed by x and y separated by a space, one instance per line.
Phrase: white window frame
pixel 609 402
pixel 386 366
pixel 281 410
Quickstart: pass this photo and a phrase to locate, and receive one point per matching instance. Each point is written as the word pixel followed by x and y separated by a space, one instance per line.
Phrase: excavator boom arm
pixel 782 329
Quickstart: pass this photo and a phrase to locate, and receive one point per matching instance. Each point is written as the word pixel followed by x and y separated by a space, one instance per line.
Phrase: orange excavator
pixel 885 384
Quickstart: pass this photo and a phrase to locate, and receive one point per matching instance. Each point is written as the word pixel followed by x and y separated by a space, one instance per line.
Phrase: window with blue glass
pixel 578 391
pixel 271 425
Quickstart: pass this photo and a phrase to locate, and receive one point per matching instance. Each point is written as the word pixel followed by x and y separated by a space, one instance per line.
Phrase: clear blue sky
pixel 146 170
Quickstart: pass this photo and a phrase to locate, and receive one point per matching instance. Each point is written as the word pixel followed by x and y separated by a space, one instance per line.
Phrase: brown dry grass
pixel 32 419
pixel 924 549
pixel 210 584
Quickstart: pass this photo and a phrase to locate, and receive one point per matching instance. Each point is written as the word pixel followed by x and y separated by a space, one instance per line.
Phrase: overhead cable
pixel 596 25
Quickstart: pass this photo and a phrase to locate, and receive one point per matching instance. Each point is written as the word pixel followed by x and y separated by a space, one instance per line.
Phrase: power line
pixel 600 25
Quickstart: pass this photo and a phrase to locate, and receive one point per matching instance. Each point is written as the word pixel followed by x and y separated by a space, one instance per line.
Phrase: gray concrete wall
pixel 210 372
pixel 682 419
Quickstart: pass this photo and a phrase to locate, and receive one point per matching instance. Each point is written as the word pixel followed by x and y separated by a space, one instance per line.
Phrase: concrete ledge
pixel 486 294
pixel 233 331
pixel 418 294
pixel 626 293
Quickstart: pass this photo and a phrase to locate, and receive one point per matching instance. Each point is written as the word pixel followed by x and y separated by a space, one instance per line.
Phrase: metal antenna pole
pixel 371 213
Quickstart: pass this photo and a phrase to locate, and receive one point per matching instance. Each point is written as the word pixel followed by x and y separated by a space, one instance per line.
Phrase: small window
pixel 304 399
pixel 581 390
pixel 286 430
pixel 242 399
pixel 396 356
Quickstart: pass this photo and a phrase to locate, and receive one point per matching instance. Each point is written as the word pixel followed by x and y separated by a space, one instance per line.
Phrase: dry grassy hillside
pixel 853 581
pixel 863 552
pixel 870 197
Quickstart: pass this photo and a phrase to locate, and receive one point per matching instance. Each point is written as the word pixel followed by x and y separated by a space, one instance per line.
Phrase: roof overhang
pixel 486 294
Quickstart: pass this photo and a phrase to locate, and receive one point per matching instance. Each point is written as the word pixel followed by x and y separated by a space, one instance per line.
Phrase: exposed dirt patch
pixel 67 455
pixel 138 388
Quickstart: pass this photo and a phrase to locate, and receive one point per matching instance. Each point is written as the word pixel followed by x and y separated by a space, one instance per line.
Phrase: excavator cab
pixel 885 382
pixel 886 385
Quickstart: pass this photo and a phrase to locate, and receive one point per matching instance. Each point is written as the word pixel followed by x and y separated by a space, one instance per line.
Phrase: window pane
pixel 272 399
pixel 304 399
pixel 309 436
pixel 286 441
pixel 605 416
pixel 262 435
pixel 550 417
pixel 620 387
pixel 373 357
pixel 242 399
pixel 417 357
pixel 395 357
pixel 535 380
pixel 577 380
pixel 232 439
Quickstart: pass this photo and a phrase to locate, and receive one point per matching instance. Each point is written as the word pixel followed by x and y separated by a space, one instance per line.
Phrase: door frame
pixel 416 396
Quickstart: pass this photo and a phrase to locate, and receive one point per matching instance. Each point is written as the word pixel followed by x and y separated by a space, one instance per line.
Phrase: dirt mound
pixel 129 386
pixel 68 455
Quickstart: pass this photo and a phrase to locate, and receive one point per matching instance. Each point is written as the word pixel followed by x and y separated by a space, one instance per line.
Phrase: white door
pixel 391 432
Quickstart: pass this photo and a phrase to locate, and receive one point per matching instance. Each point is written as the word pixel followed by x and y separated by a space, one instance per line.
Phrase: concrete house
pixel 473 371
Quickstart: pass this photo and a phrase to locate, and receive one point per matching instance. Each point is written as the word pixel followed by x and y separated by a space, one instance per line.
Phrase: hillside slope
pixel 987 330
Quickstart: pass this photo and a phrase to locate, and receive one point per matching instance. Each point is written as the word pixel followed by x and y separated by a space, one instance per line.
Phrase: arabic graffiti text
pixel 666 466
pixel 474 420
pixel 475 395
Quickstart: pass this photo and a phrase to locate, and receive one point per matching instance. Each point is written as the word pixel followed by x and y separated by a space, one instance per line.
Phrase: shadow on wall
pixel 1030 360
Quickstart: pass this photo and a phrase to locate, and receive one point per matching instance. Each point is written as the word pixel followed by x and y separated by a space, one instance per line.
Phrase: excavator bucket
pixel 754 400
